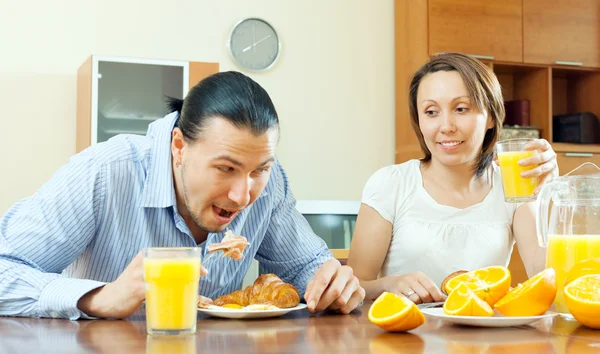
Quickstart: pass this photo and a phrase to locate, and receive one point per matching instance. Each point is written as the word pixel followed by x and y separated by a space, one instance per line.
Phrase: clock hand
pixel 254 44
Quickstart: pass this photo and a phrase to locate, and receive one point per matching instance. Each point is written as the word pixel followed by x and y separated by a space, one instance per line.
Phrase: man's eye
pixel 263 170
pixel 225 168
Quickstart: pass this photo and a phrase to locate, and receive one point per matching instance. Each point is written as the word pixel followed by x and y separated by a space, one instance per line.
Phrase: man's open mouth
pixel 224 212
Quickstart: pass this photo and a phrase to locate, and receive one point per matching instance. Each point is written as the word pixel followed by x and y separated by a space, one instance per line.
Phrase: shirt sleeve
pixel 290 248
pixel 43 234
pixel 381 192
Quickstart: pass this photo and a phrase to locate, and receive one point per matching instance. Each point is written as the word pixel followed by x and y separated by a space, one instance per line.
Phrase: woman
pixel 424 219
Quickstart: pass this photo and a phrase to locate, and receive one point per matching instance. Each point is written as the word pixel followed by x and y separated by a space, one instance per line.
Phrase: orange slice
pixel 585 267
pixel 462 301
pixel 450 276
pixel 532 298
pixel 582 297
pixel 490 283
pixel 395 313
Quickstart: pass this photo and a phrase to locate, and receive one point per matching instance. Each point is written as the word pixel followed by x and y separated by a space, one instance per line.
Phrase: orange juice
pixel 171 293
pixel 563 252
pixel 516 188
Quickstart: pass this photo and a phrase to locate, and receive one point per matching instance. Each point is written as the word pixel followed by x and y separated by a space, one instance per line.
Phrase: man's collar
pixel 159 190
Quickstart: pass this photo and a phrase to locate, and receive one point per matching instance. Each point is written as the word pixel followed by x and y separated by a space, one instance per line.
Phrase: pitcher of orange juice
pixel 568 222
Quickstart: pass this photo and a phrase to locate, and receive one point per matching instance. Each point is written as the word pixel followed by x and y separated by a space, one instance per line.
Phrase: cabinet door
pixel 132 95
pixel 477 27
pixel 565 32
pixel 568 161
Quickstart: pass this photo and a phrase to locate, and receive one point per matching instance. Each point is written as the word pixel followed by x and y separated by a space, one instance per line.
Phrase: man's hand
pixel 334 287
pixel 121 298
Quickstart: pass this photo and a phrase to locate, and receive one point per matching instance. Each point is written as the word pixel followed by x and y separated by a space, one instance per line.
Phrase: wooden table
pixel 296 332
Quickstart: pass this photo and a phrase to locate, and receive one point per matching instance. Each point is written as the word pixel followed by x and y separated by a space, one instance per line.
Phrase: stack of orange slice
pixel 490 283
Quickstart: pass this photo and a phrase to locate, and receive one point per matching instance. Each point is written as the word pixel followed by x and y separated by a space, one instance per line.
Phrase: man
pixel 207 167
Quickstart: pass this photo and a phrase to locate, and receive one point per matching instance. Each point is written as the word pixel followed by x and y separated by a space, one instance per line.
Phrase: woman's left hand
pixel 545 162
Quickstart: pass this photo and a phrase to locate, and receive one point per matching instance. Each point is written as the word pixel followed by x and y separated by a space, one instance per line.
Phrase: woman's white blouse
pixel 438 239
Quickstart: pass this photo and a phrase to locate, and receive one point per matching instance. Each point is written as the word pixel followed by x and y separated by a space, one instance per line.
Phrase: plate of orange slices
pixel 497 320
pixel 483 298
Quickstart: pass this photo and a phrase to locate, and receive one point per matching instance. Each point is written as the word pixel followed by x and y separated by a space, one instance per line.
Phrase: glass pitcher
pixel 572 233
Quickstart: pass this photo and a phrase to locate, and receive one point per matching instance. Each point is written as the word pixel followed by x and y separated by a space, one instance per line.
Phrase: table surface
pixel 295 332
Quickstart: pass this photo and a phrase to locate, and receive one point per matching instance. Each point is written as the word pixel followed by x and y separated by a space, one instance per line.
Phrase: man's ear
pixel 178 144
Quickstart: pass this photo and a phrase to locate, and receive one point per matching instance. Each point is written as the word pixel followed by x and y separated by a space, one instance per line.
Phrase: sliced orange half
pixel 395 313
pixel 531 298
pixel 462 301
pixel 582 297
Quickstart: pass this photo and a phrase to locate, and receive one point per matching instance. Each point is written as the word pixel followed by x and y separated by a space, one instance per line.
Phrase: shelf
pixel 575 90
pixel 566 147
pixel 528 82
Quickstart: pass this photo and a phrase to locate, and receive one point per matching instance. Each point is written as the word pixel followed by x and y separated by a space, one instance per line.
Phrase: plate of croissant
pixel 269 296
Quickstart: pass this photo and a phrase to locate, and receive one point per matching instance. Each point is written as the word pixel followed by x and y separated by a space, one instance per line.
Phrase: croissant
pixel 267 289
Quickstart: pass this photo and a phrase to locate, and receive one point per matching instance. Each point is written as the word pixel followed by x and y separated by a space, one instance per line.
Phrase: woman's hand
pixel 417 287
pixel 545 162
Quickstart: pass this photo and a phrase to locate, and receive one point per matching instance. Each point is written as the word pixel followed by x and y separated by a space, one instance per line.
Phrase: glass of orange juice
pixel 172 276
pixel 516 188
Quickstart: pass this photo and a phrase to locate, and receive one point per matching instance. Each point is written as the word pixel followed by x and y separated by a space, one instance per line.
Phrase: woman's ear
pixel 491 122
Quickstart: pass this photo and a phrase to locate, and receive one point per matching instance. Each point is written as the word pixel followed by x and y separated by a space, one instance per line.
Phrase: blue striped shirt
pixel 83 227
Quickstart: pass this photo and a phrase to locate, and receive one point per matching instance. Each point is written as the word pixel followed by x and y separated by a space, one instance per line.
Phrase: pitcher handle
pixel 541 211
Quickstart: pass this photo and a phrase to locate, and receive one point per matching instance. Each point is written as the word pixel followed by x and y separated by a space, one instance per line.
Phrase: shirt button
pixel 54 314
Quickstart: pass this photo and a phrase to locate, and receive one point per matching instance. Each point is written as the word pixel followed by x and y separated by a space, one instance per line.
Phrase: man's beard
pixel 195 218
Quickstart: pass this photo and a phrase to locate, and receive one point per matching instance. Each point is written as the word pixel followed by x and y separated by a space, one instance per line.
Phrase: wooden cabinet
pixel 483 28
pixel 118 95
pixel 568 161
pixel 553 32
pixel 562 31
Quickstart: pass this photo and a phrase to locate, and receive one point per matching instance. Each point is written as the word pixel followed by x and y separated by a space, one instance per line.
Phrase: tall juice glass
pixel 172 276
pixel 516 188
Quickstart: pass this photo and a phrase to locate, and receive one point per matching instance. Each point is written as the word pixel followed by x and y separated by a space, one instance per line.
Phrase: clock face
pixel 254 44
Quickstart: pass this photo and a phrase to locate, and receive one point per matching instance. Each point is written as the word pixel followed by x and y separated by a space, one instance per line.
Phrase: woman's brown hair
pixel 484 91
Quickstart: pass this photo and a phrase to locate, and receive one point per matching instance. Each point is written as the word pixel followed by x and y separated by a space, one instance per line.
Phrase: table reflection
pixel 185 344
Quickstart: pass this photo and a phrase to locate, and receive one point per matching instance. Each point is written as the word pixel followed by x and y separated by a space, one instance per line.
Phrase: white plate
pixel 493 321
pixel 245 314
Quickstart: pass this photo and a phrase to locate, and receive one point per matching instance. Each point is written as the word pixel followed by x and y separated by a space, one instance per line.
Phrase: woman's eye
pixel 430 112
pixel 462 109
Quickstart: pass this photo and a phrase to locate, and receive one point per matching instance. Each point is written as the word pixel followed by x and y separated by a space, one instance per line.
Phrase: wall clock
pixel 254 44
